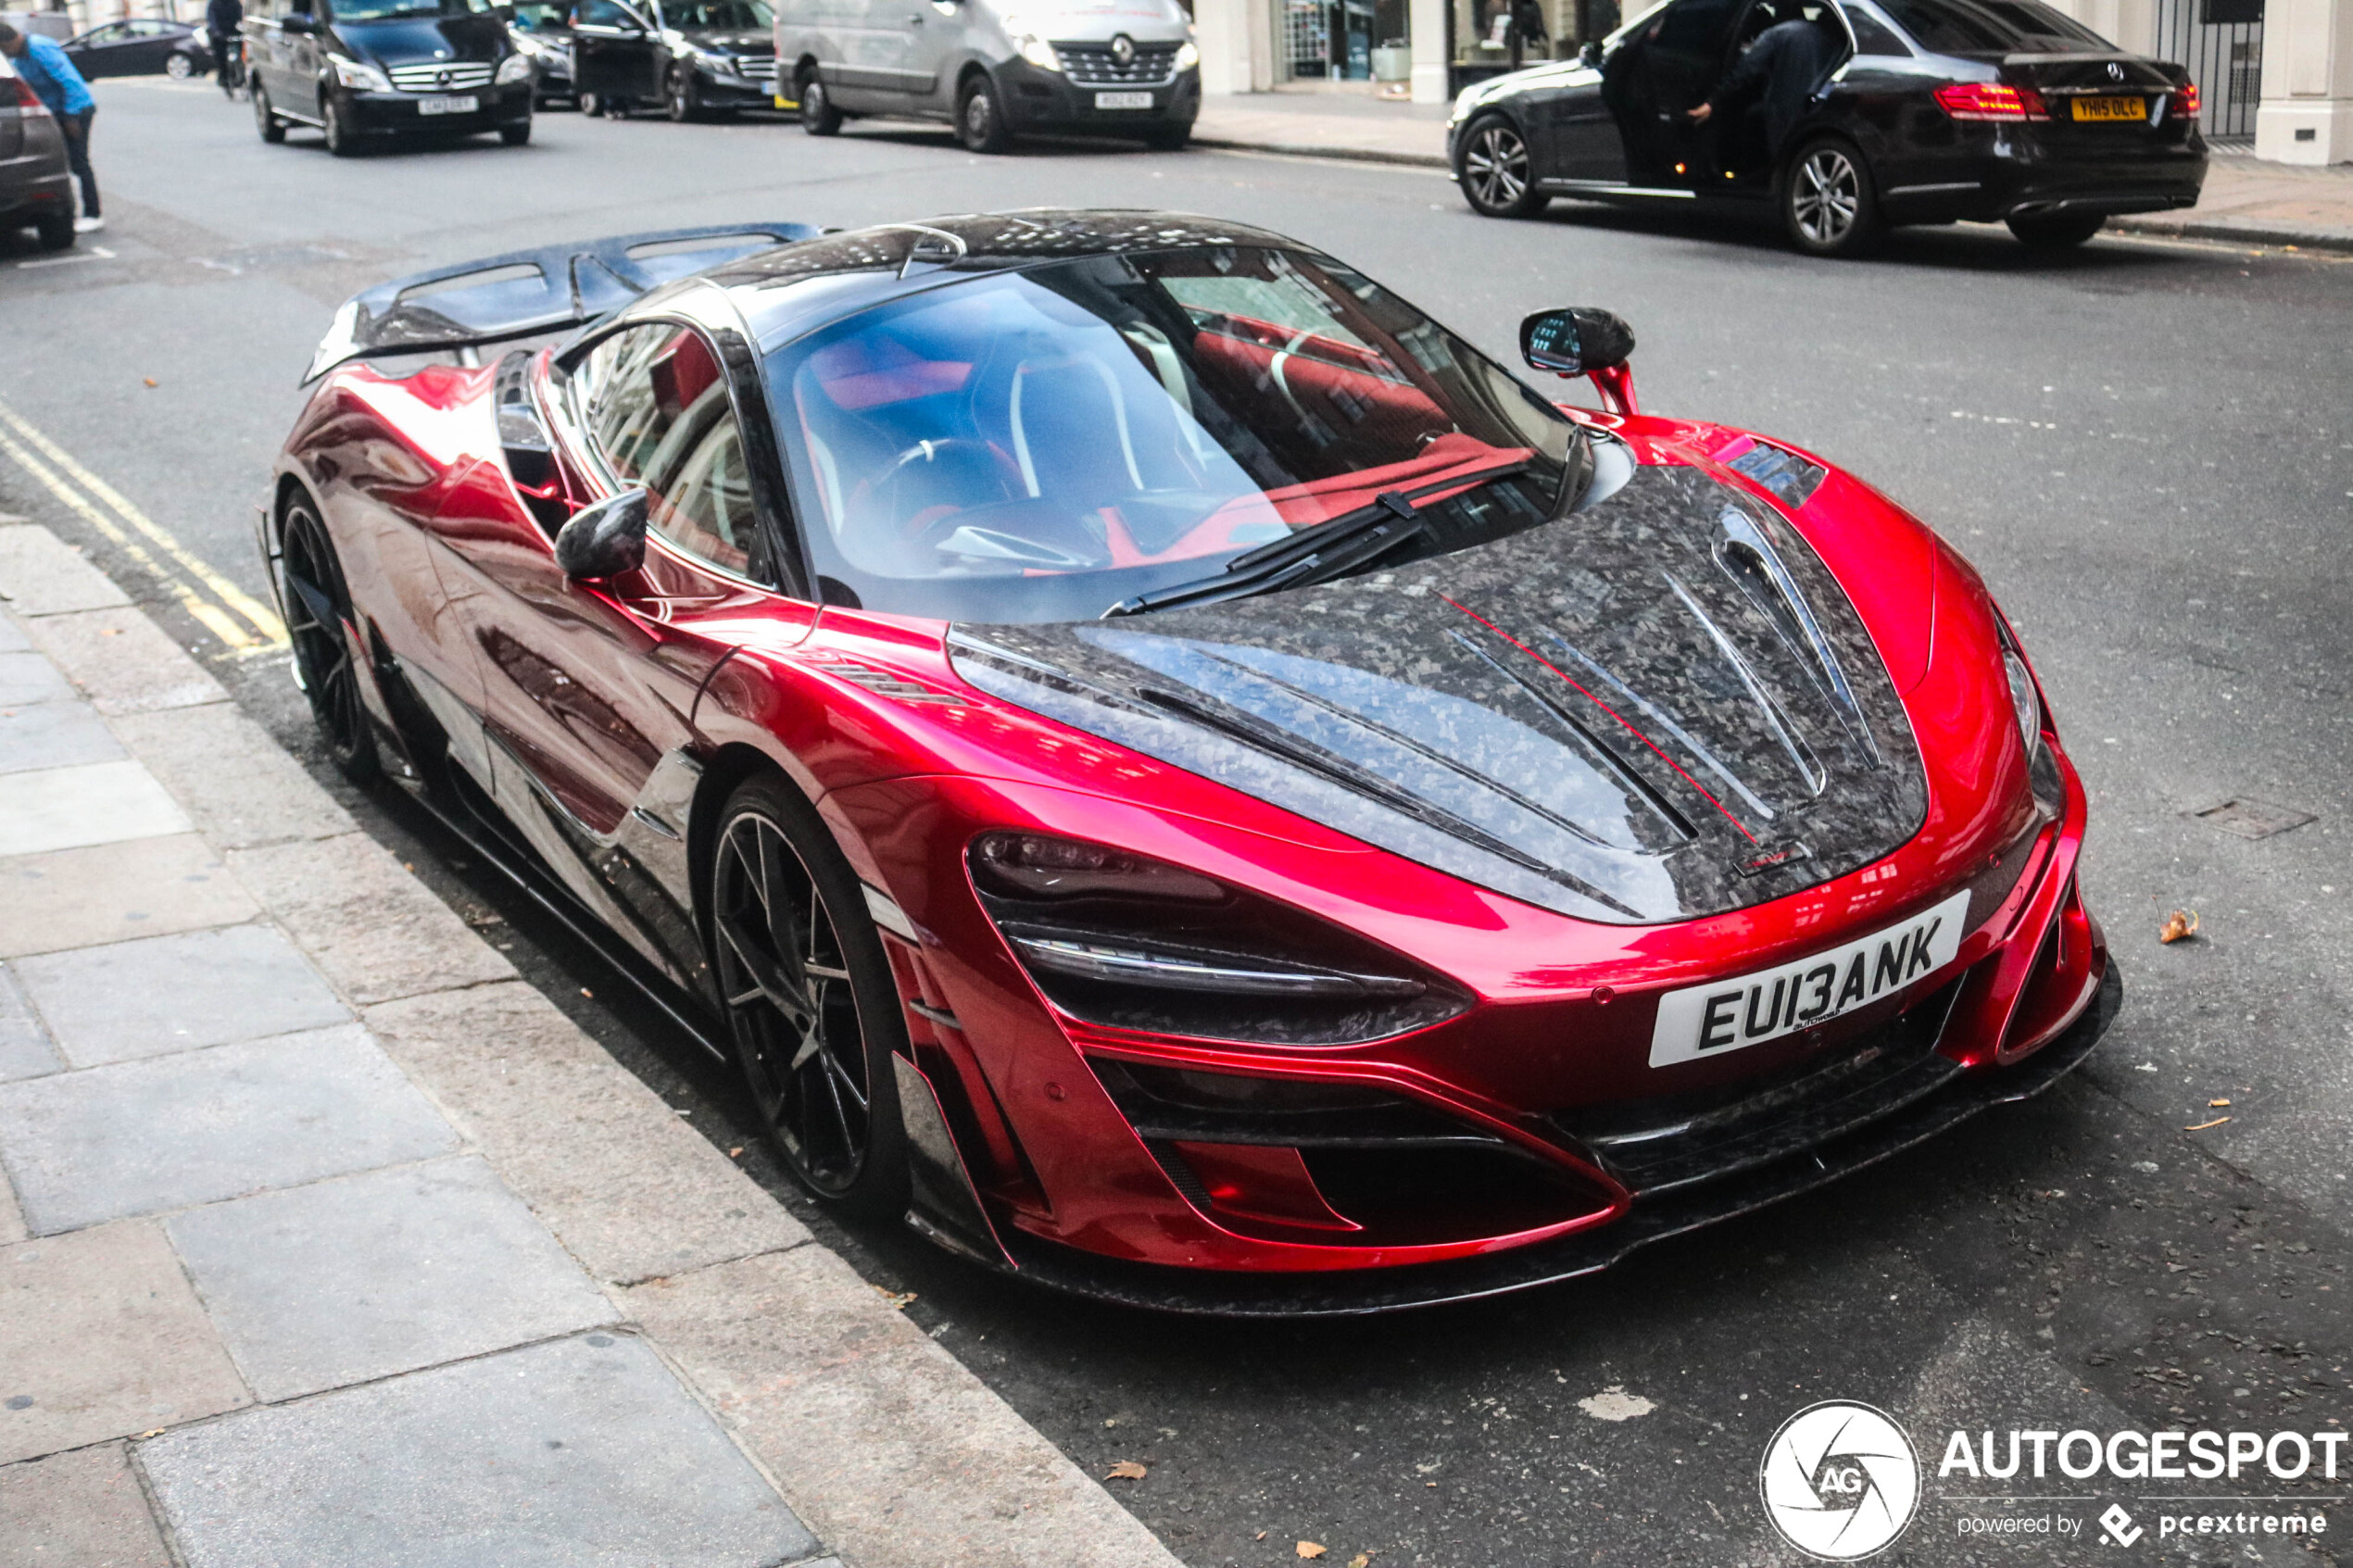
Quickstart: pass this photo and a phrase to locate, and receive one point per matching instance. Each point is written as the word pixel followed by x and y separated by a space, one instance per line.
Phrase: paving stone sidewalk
pixel 326 1241
pixel 2243 200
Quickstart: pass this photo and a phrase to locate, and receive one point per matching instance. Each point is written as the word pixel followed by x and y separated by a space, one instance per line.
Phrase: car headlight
pixel 359 75
pixel 514 68
pixel 2025 701
pixel 1031 46
pixel 1120 939
pixel 1188 56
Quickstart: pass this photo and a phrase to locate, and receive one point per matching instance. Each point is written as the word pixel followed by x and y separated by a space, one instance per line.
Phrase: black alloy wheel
pixel 1827 203
pixel 318 608
pixel 980 121
pixel 515 135
pixel 810 998
pixel 818 116
pixel 179 67
pixel 685 95
pixel 341 142
pixel 1498 177
pixel 2057 231
pixel 265 120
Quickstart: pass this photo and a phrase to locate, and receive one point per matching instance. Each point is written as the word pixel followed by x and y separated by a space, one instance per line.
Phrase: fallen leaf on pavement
pixel 149 380
pixel 2179 926
pixel 2203 1126
pixel 1309 1549
pixel 736 1152
pixel 1125 1470
pixel 1361 1560
pixel 897 1298
pixel 2212 1103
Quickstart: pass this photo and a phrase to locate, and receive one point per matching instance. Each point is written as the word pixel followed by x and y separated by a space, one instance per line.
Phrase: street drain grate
pixel 2243 818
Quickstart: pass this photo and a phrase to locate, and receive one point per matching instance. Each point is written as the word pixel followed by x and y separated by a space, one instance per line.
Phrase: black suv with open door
pixel 690 58
pixel 1923 111
pixel 377 70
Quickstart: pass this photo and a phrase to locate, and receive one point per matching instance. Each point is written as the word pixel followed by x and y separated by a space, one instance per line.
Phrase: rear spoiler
pixel 526 292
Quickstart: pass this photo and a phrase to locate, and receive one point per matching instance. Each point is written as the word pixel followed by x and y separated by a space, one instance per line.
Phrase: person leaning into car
pixel 1786 61
pixel 52 77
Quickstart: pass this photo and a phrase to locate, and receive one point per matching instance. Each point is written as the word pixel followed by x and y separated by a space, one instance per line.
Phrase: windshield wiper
pixel 1347 543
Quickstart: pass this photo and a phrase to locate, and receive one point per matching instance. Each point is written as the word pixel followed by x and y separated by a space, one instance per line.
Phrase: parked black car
pixel 542 29
pixel 1928 112
pixel 36 190
pixel 378 69
pixel 690 58
pixel 141 46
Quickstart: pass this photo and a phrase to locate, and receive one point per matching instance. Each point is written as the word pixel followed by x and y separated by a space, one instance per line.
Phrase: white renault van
pixel 993 69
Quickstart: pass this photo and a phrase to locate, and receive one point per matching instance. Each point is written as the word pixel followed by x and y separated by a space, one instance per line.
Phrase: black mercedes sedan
pixel 141 46
pixel 1854 116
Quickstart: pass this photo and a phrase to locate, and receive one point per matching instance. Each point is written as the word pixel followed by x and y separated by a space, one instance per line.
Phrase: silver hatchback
pixel 36 189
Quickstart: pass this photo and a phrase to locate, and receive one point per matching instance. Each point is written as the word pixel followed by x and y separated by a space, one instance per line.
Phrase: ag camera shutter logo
pixel 1840 1481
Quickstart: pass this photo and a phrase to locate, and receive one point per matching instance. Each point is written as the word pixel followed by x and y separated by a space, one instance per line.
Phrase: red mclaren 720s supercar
pixel 1172 770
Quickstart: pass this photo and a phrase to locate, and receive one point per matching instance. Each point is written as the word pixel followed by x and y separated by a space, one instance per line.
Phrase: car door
pixel 616 54
pixel 150 40
pixel 299 60
pixel 588 687
pixel 102 51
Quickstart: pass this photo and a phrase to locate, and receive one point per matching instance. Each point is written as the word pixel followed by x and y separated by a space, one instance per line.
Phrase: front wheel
pixel 1169 138
pixel 317 612
pixel 685 96
pixel 515 135
pixel 265 119
pixel 341 142
pixel 810 998
pixel 180 68
pixel 980 121
pixel 818 116
pixel 2059 231
pixel 1827 203
pixel 1497 175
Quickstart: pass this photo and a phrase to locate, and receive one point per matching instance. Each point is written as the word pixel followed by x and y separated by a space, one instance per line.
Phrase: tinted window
pixel 601 13
pixel 388 10
pixel 658 410
pixel 1872 35
pixel 1037 447
pixel 1693 26
pixel 1987 26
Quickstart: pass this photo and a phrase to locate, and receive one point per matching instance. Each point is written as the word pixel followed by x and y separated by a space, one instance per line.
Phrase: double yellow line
pixel 227 611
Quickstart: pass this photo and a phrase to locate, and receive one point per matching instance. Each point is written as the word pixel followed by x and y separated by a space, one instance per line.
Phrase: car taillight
pixel 27 99
pixel 1989 100
pixel 2185 100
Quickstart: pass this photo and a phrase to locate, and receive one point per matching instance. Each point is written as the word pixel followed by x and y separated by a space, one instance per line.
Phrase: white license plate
pixel 463 104
pixel 1725 1015
pixel 1123 100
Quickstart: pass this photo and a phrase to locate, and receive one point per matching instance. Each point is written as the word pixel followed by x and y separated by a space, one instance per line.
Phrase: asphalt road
pixel 2147 448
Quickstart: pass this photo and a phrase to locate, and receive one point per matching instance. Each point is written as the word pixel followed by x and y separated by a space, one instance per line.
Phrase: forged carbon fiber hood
pixel 1661 708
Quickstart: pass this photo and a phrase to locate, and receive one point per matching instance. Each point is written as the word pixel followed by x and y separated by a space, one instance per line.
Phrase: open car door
pixel 616 55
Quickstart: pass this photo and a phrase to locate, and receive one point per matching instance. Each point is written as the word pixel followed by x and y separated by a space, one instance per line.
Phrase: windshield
pixel 1967 26
pixel 390 10
pixel 1040 445
pixel 717 16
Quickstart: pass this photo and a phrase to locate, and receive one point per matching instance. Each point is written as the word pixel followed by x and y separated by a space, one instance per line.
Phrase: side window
pixel 600 13
pixel 658 410
pixel 1873 37
pixel 1693 29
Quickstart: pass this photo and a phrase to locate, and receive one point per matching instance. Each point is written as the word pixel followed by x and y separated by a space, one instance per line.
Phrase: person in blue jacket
pixel 52 77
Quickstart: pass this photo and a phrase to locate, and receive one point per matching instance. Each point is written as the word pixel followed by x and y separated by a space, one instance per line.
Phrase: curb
pixel 888 1448
pixel 1346 154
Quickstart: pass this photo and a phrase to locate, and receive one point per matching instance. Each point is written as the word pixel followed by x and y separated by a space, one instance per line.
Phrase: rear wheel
pixel 810 998
pixel 1497 175
pixel 1828 202
pixel 178 67
pixel 317 608
pixel 980 120
pixel 818 116
pixel 265 119
pixel 2060 230
pixel 55 230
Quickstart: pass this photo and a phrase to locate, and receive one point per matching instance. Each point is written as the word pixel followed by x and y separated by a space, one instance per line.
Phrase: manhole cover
pixel 2252 819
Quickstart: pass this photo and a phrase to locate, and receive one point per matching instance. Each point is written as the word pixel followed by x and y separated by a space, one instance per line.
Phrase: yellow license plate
pixel 2111 109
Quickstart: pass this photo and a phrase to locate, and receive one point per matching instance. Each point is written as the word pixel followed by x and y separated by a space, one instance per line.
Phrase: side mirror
pixel 605 540
pixel 1589 55
pixel 1575 341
